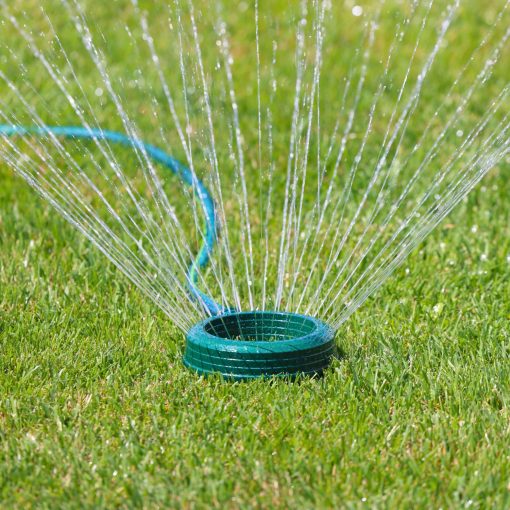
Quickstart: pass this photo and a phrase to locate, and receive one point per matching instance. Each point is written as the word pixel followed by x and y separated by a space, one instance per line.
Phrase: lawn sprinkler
pixel 238 345
pixel 246 345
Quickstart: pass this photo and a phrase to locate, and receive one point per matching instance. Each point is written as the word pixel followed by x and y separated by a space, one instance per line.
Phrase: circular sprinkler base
pixel 246 345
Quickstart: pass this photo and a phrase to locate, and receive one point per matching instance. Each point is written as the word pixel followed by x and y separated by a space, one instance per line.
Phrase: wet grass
pixel 97 410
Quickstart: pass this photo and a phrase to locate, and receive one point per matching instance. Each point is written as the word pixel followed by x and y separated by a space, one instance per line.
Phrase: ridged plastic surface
pixel 245 345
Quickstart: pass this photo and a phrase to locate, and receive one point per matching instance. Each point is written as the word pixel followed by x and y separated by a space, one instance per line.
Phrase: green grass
pixel 97 410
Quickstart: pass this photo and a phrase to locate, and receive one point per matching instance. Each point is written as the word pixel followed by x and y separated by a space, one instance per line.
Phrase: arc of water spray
pixel 313 249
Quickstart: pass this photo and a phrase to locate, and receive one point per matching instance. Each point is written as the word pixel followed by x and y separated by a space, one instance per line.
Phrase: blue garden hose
pixel 210 230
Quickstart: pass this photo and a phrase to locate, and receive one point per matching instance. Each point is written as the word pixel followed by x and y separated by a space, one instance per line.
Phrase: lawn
pixel 97 410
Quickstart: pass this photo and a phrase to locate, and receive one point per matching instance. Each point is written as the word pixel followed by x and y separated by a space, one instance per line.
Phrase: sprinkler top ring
pixel 246 345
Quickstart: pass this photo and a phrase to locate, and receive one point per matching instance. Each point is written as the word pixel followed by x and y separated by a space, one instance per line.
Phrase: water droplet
pixel 484 257
pixel 438 308
pixel 98 92
pixel 357 10
pixel 474 229
pixel 87 40
pixel 459 133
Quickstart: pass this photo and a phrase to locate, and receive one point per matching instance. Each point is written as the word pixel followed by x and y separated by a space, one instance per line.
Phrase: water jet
pixel 309 216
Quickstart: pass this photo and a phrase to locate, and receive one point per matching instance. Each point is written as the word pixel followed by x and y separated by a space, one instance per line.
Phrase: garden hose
pixel 184 173
pixel 238 345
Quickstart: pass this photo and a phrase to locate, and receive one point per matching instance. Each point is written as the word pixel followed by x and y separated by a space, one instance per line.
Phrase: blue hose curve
pixel 185 174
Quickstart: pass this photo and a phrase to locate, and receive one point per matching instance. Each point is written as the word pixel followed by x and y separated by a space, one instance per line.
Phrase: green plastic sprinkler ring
pixel 246 345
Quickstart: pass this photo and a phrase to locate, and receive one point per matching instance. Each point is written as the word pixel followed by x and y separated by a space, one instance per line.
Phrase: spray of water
pixel 331 140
